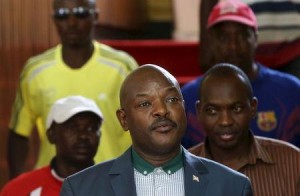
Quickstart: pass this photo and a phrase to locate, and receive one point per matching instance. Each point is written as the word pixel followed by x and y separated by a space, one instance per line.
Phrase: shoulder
pixel 28 181
pixel 47 56
pixel 278 77
pixel 90 180
pixel 102 170
pixel 212 168
pixel 192 85
pixel 197 149
pixel 93 172
pixel 217 178
pixel 100 177
pixel 116 55
pixel 279 147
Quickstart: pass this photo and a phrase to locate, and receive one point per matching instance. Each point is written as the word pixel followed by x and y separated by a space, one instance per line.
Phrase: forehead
pixel 149 80
pixel 84 115
pixel 155 81
pixel 230 25
pixel 72 3
pixel 221 87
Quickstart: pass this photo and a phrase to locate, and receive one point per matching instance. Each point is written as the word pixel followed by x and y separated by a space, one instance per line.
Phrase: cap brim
pixel 237 19
pixel 62 117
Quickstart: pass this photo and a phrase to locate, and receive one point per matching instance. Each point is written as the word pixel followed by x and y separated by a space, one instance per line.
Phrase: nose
pixel 160 109
pixel 72 20
pixel 225 118
pixel 232 44
pixel 83 133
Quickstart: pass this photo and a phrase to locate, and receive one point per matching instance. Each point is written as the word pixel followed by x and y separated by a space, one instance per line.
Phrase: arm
pixel 17 152
pixel 205 56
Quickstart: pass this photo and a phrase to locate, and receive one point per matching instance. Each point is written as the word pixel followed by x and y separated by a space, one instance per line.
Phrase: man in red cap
pixel 279 35
pixel 232 38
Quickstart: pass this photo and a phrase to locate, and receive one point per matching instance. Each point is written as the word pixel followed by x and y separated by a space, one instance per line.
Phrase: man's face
pixel 76 139
pixel 225 111
pixel 234 43
pixel 153 112
pixel 74 21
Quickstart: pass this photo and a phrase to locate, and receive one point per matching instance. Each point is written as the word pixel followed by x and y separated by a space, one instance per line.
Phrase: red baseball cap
pixel 232 10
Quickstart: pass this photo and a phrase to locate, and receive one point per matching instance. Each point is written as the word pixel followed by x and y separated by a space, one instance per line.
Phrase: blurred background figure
pixel 73 127
pixel 279 33
pixel 77 66
pixel 232 38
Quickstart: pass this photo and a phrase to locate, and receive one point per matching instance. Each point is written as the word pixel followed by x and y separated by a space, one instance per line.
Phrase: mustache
pixel 162 121
pixel 83 144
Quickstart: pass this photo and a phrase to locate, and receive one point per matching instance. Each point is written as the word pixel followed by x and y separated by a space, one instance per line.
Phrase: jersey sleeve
pixel 22 117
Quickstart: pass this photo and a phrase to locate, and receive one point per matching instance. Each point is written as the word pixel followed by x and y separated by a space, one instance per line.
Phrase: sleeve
pixel 22 117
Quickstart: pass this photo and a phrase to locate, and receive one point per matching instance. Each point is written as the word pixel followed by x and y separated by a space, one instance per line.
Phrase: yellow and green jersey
pixel 46 78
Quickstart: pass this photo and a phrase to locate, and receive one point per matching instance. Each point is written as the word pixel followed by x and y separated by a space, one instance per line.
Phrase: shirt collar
pixel 257 152
pixel 54 170
pixel 145 168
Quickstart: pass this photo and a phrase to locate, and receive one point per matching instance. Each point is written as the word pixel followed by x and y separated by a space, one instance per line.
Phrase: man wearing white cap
pixel 73 126
pixel 232 38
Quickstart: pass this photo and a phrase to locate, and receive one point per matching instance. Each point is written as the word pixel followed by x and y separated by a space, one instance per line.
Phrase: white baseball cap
pixel 64 108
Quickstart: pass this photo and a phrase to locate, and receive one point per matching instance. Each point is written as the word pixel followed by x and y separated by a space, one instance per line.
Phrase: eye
pixel 71 126
pixel 173 99
pixel 237 108
pixel 61 13
pixel 144 104
pixel 93 128
pixel 243 36
pixel 82 12
pixel 221 37
pixel 210 110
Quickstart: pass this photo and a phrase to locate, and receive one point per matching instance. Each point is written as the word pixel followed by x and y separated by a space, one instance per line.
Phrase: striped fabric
pixel 278 30
pixel 278 20
pixel 273 166
pixel 159 183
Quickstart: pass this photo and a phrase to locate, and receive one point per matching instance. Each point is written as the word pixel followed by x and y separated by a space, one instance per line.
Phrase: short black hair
pixel 227 70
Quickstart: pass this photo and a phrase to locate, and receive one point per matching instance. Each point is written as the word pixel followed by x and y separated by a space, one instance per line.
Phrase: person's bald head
pixel 144 74
pixel 152 109
pixel 226 107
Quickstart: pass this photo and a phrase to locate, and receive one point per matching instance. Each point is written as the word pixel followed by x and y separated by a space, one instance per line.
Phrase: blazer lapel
pixel 195 180
pixel 122 176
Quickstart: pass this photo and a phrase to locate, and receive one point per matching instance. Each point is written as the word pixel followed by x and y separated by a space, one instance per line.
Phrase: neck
pixel 65 168
pixel 76 57
pixel 235 157
pixel 156 159
pixel 252 74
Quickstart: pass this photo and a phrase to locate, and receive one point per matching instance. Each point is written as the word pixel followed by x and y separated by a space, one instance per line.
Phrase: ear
pixel 198 108
pixel 96 16
pixel 121 114
pixel 256 38
pixel 51 134
pixel 254 103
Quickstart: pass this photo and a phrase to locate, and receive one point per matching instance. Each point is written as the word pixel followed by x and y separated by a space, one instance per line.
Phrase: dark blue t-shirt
pixel 278 112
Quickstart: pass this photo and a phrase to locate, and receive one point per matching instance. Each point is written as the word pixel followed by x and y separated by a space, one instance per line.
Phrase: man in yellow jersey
pixel 77 66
